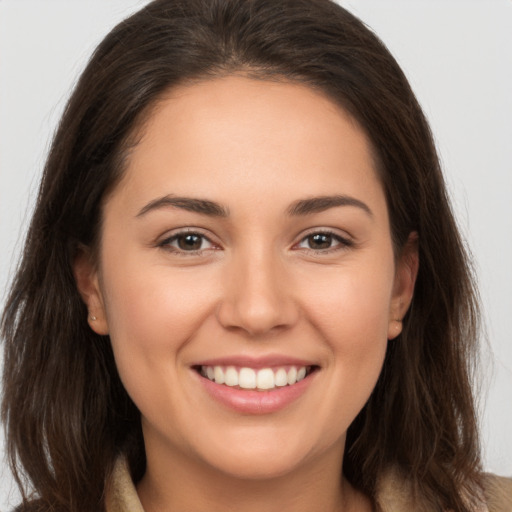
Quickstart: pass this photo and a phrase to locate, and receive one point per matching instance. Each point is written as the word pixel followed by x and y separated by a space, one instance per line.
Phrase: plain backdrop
pixel 458 57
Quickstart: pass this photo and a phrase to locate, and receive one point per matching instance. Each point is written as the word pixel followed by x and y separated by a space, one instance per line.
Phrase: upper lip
pixel 244 361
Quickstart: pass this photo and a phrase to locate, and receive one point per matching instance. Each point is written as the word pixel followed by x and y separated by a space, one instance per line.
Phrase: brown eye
pixel 187 242
pixel 320 241
pixel 190 242
pixel 324 241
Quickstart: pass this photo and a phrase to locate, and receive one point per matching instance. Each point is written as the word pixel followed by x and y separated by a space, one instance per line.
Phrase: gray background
pixel 458 57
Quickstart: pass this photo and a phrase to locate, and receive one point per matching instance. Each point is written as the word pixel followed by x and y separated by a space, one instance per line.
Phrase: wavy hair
pixel 66 413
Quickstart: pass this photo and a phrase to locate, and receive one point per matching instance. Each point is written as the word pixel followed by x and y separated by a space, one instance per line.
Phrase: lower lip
pixel 256 402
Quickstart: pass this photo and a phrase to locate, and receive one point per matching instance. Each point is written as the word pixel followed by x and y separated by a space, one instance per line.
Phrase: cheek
pixel 350 306
pixel 350 312
pixel 144 298
pixel 152 312
pixel 354 324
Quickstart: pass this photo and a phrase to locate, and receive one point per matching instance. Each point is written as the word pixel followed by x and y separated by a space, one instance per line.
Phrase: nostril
pixel 256 306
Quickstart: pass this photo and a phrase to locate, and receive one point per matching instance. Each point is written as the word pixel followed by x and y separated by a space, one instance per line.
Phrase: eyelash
pixel 166 244
pixel 342 243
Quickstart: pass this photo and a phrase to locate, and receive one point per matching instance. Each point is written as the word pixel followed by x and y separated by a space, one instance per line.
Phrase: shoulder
pixel 395 493
pixel 498 493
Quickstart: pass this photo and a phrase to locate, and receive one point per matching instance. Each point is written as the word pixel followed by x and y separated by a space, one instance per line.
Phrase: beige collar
pixel 122 496
pixel 394 494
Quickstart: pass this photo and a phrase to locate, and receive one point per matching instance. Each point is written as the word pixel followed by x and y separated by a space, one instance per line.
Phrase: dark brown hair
pixel 66 413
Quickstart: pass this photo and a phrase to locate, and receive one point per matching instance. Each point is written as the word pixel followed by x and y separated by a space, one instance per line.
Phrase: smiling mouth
pixel 261 379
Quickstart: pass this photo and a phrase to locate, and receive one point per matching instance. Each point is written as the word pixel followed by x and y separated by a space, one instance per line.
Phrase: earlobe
pixel 403 289
pixel 87 282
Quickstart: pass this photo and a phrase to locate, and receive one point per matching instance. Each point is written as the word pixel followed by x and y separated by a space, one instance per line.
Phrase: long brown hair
pixel 66 413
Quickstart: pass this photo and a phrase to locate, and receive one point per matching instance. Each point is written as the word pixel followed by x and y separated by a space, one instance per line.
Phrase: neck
pixel 178 483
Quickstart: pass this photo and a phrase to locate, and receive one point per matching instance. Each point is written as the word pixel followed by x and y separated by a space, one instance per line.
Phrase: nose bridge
pixel 257 297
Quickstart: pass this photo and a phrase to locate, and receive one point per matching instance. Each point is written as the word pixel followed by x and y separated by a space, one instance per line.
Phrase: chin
pixel 258 466
pixel 258 457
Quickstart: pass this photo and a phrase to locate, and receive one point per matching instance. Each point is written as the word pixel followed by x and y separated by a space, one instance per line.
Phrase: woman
pixel 235 293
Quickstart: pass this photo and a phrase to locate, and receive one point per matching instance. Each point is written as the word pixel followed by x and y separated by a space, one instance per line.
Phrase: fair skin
pixel 267 279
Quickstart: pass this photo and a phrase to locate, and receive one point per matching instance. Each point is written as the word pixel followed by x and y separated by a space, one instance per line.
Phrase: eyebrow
pixel 202 206
pixel 301 207
pixel 322 203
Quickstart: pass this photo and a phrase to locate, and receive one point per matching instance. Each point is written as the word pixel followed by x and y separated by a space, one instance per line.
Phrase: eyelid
pixel 344 242
pixel 165 241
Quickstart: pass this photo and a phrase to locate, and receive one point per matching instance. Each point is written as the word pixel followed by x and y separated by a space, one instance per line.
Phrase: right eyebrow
pixel 322 203
pixel 203 206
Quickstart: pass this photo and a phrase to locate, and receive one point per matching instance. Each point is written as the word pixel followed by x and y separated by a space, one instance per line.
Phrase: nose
pixel 257 296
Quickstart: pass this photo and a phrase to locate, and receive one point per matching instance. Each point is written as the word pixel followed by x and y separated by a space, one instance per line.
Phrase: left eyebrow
pixel 322 203
pixel 202 206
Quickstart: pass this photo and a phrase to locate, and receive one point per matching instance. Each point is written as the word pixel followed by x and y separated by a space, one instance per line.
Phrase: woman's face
pixel 248 242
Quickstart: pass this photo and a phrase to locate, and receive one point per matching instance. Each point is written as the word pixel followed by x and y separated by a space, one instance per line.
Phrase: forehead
pixel 250 136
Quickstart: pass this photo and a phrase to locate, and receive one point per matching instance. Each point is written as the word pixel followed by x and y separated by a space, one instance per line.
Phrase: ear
pixel 403 288
pixel 87 281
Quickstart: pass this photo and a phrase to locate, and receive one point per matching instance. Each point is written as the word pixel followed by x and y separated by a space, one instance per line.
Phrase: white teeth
pixel 248 378
pixel 218 375
pixel 265 379
pixel 281 378
pixel 231 376
pixel 291 377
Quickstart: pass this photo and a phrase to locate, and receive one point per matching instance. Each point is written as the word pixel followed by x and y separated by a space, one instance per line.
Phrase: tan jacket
pixel 393 494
